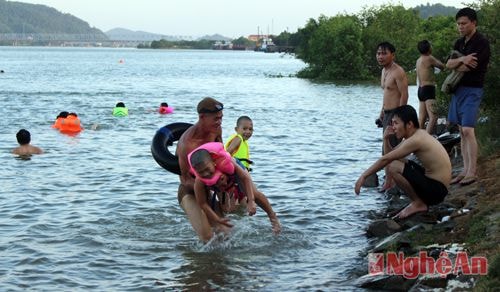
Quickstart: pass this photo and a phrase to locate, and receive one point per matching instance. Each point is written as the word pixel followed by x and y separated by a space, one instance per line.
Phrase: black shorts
pixel 429 190
pixel 426 92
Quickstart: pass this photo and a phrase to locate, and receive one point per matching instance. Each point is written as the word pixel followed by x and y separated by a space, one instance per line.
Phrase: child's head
pixel 73 114
pixel 202 163
pixel 120 104
pixel 244 127
pixel 164 104
pixel 63 114
pixel 424 47
pixel 23 137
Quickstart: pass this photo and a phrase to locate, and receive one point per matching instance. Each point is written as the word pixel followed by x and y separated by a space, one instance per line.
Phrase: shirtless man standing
pixel 25 148
pixel 207 129
pixel 425 185
pixel 395 85
pixel 427 85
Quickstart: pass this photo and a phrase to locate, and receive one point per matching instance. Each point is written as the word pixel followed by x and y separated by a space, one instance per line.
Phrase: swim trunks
pixel 429 190
pixel 464 106
pixel 426 92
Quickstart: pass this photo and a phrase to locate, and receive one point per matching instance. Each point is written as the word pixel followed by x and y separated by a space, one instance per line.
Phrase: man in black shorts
pixel 425 185
pixel 427 85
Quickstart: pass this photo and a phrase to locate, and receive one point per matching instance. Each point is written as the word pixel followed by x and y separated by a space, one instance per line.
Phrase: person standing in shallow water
pixel 394 84
pixel 464 105
pixel 425 185
pixel 427 85
pixel 206 129
pixel 25 148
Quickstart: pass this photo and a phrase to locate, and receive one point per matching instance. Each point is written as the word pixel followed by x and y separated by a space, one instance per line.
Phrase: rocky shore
pixel 452 247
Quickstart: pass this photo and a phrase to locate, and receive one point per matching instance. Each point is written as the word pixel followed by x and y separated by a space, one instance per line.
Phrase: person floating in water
pixel 222 185
pixel 425 185
pixel 165 109
pixel 59 120
pixel 71 125
pixel 25 148
pixel 120 110
pixel 237 144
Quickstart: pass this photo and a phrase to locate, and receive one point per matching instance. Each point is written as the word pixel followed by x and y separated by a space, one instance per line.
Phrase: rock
pixel 395 241
pixel 431 281
pixel 371 181
pixel 385 282
pixel 383 227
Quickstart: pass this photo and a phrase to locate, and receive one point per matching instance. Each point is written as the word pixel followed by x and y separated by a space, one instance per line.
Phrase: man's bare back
pixel 25 150
pixel 425 69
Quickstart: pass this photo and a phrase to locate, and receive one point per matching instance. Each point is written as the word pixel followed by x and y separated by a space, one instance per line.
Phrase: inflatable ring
pixel 449 141
pixel 165 137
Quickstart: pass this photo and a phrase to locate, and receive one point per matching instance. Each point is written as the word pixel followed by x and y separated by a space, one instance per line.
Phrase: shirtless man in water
pixel 395 85
pixel 207 129
pixel 25 148
pixel 425 185
pixel 427 85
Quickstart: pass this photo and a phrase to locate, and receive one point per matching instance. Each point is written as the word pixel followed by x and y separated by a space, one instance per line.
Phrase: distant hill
pixel 427 11
pixel 24 18
pixel 123 34
pixel 214 37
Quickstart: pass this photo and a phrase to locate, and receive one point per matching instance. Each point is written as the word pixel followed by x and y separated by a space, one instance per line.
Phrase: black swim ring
pixel 165 137
pixel 449 141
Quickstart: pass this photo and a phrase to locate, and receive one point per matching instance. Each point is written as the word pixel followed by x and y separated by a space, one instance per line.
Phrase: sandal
pixel 457 179
pixel 468 180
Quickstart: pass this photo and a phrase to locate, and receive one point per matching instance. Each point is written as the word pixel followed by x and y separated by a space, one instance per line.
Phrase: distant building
pixel 257 37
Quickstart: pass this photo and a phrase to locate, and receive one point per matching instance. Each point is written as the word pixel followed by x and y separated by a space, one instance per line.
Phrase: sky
pixel 231 18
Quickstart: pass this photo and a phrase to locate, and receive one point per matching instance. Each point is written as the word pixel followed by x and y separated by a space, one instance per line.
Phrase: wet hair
pixel 200 156
pixel 73 114
pixel 424 47
pixel 120 104
pixel 407 114
pixel 242 119
pixel 386 46
pixel 23 137
pixel 164 104
pixel 63 114
pixel 467 12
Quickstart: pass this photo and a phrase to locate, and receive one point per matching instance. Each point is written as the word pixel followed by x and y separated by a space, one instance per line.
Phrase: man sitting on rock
pixel 425 185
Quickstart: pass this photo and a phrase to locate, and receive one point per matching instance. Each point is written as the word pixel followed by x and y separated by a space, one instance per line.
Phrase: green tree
pixel 334 49
pixel 283 39
pixel 243 41
pixel 301 40
pixel 394 24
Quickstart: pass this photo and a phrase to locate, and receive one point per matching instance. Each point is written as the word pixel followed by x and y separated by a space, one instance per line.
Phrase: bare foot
pixel 275 225
pixel 411 209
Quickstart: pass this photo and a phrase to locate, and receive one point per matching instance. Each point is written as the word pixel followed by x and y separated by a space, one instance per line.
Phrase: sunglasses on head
pixel 218 108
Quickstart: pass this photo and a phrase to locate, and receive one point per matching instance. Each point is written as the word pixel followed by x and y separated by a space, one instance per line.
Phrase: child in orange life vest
pixel 71 124
pixel 237 144
pixel 60 117
pixel 215 170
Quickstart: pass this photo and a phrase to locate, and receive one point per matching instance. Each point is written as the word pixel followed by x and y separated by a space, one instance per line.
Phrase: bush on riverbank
pixel 343 47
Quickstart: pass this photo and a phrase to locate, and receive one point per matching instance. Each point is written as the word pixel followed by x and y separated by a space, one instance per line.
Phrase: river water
pixel 95 212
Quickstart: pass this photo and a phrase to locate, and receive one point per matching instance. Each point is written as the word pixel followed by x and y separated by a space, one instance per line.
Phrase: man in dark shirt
pixel 464 106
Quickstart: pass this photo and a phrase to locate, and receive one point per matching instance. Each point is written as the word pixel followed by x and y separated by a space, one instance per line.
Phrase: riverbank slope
pixel 467 222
